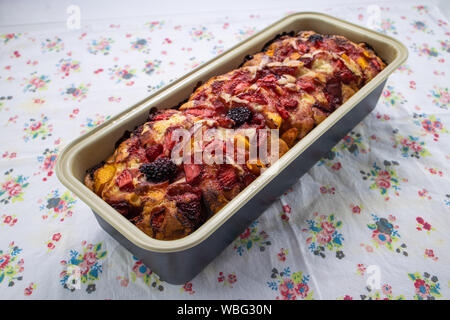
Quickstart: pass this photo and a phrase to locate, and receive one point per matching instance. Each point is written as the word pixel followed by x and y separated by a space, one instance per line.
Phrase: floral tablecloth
pixel 370 221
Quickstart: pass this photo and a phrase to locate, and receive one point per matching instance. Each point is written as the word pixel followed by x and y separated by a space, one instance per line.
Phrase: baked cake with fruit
pixel 292 85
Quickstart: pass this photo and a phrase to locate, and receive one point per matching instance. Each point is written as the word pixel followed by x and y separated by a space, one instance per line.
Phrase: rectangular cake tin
pixel 178 261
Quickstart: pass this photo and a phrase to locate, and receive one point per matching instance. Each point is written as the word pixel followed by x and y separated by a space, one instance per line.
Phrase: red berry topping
pixel 192 171
pixel 125 181
pixel 227 176
pixel 153 152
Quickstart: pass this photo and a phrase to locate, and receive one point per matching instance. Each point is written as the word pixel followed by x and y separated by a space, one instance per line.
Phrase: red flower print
pixel 287 208
pixel 232 278
pixel 356 209
pixel 56 236
pixel 7 220
pixel 429 253
pixel 287 289
pixel 337 166
pixel 405 142
pixel 422 288
pixel 420 220
pixel 246 234
pixel 221 277
pixel 282 255
pixel 427 125
pixel 361 268
pixel 416 147
pixel 437 125
pixel 328 227
pixel 427 226
pixel 51 246
pixel 348 140
pixel 187 286
pixel 29 290
pixel 35 125
pixel 4 260
pixel 15 190
pixel 323 237
pixel 302 289
pixel 383 180
pixel 347 297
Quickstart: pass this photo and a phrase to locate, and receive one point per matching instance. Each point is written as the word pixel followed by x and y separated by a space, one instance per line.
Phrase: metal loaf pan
pixel 178 261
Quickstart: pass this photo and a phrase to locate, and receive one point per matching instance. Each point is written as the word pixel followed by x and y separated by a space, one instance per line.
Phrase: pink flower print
pixel 15 190
pixel 84 268
pixel 437 125
pixel 328 227
pixel 140 269
pixel 124 282
pixel 323 237
pixel 380 238
pixel 387 289
pixel 35 125
pixel 287 289
pixel 7 185
pixel 361 268
pixel 90 258
pixel 416 147
pixel 427 125
pixel 49 162
pixel 383 180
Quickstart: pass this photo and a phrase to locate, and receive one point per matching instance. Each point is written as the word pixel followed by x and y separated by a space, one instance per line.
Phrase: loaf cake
pixel 292 85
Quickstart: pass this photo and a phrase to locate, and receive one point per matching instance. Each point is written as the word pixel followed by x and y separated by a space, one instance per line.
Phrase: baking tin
pixel 178 261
